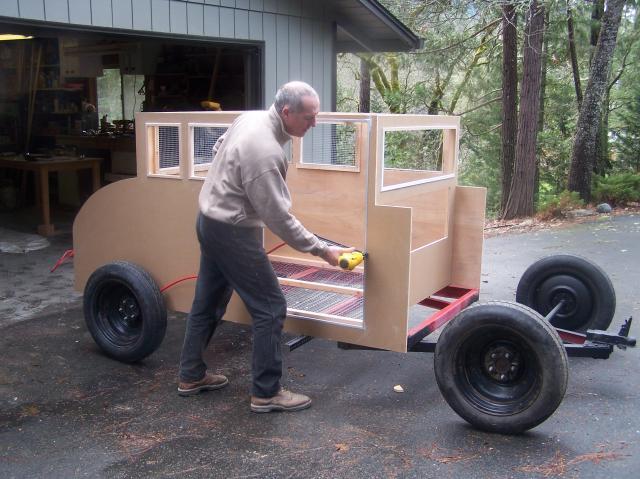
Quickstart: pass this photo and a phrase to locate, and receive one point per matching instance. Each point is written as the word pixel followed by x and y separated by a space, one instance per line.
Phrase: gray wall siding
pixel 80 12
pixel 122 13
pixel 56 10
pixel 298 41
pixel 141 14
pixel 32 9
pixel 101 13
pixel 9 8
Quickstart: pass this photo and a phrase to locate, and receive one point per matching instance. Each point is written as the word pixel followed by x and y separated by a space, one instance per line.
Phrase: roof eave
pixel 410 39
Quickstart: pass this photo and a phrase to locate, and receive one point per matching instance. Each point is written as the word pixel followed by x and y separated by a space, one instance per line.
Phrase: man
pixel 245 190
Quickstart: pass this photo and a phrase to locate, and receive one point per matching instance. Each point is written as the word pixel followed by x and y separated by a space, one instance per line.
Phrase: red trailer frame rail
pixel 449 301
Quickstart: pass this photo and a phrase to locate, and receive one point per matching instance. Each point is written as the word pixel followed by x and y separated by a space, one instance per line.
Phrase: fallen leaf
pixel 342 447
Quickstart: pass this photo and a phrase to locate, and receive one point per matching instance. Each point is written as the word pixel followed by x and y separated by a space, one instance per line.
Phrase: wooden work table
pixel 104 142
pixel 42 168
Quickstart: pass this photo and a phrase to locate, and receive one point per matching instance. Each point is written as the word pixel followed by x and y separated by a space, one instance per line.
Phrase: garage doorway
pixel 74 93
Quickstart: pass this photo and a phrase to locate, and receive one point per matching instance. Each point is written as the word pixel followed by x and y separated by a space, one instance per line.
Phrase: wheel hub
pixel 578 302
pixel 569 298
pixel 128 310
pixel 502 363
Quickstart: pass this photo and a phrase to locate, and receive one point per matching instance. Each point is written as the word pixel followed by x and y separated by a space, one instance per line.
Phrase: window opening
pixel 164 150
pixel 337 145
pixel 119 96
pixel 203 139
pixel 415 155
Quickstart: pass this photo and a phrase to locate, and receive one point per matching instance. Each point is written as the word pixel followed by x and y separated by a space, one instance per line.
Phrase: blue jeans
pixel 232 258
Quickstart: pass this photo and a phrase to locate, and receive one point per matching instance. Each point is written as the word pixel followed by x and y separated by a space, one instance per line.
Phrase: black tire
pixel 124 311
pixel 590 300
pixel 501 367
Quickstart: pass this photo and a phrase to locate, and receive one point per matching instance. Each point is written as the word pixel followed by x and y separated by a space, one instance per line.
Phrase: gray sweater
pixel 246 185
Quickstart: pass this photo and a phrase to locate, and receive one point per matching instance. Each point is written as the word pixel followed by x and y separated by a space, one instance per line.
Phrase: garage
pixel 75 94
pixel 74 73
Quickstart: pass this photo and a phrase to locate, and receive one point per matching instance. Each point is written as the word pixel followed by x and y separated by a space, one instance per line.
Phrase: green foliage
pixel 626 137
pixel 459 72
pixel 618 189
pixel 416 150
pixel 554 206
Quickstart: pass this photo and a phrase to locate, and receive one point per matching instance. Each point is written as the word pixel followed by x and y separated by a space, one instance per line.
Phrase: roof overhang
pixel 366 26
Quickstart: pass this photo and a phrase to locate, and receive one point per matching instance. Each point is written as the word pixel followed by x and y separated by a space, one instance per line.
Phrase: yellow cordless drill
pixel 347 261
pixel 351 260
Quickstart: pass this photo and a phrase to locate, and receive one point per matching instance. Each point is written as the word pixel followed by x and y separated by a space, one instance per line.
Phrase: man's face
pixel 297 123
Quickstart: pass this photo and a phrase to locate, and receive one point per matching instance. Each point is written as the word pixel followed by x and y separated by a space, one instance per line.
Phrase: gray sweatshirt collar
pixel 278 127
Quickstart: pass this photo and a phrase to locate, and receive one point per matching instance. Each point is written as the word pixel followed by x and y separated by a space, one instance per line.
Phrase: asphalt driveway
pixel 67 411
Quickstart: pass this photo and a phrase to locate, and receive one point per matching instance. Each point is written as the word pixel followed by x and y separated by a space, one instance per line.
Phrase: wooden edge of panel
pixel 403 193
pixel 329 318
pixel 468 236
pixel 386 302
pixel 332 288
pixel 430 270
pixel 320 166
pixel 412 121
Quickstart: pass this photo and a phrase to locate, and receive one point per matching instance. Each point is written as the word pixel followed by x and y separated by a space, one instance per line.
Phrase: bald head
pixel 292 94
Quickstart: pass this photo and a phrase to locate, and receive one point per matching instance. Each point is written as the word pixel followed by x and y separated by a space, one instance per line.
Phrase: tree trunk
pixel 509 97
pixel 584 144
pixel 520 202
pixel 543 91
pixel 574 57
pixel 596 16
pixel 603 163
pixel 364 106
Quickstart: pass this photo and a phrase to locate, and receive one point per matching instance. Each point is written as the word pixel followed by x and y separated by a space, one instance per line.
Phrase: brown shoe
pixel 283 401
pixel 209 382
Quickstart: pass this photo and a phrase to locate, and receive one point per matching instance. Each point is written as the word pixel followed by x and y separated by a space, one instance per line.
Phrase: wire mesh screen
pixel 331 144
pixel 168 146
pixel 413 150
pixel 319 301
pixel 204 138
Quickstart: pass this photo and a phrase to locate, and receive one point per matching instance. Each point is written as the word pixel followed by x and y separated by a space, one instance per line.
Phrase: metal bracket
pixel 296 342
pixel 350 346
pixel 622 339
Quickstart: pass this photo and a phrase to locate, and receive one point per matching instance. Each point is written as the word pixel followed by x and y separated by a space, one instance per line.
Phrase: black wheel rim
pixel 118 314
pixel 497 371
pixel 578 305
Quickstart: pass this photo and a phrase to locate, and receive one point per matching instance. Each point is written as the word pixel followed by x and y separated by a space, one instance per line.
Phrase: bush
pixel 617 189
pixel 555 206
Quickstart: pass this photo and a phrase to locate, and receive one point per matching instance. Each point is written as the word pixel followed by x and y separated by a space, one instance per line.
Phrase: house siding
pixel 298 38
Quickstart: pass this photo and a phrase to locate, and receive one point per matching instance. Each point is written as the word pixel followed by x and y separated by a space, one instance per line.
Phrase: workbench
pixel 42 168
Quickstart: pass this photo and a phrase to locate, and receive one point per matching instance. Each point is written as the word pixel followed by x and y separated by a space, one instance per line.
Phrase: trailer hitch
pixel 622 339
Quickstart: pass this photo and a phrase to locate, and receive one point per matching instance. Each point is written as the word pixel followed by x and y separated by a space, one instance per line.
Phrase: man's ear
pixel 285 111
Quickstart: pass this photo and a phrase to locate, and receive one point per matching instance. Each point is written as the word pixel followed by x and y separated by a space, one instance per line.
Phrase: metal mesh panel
pixel 204 138
pixel 317 301
pixel 168 146
pixel 287 270
pixel 312 300
pixel 413 150
pixel 351 309
pixel 331 144
pixel 318 275
pixel 339 278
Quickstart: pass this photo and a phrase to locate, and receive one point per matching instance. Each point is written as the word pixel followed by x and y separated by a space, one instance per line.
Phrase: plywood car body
pixel 422 231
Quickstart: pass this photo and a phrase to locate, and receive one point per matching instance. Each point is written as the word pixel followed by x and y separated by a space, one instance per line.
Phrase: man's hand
pixel 332 254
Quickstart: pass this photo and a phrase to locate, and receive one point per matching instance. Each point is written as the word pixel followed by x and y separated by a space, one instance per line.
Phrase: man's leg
pixel 246 266
pixel 209 304
pixel 243 261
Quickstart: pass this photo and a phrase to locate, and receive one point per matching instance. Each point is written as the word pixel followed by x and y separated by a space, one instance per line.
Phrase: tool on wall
pixel 209 104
